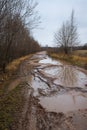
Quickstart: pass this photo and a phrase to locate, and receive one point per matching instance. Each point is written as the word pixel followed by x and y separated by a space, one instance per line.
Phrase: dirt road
pixel 56 95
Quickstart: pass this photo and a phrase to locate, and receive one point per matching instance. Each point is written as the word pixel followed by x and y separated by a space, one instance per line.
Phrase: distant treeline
pixel 16 21
pixel 59 49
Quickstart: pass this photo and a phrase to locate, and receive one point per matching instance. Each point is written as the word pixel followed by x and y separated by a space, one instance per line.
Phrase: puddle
pixel 60 74
pixel 48 60
pixel 39 55
pixel 65 103
pixel 67 76
pixel 36 84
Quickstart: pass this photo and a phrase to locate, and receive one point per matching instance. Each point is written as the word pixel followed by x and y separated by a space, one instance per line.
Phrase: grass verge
pixel 11 104
pixel 11 69
pixel 73 59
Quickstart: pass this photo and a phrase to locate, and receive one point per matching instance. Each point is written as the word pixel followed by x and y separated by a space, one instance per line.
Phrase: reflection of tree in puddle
pixel 68 76
pixel 77 97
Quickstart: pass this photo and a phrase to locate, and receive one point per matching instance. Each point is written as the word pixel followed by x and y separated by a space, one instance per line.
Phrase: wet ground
pixel 56 96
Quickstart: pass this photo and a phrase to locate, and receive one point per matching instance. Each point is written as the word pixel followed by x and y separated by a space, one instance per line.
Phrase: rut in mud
pixel 56 96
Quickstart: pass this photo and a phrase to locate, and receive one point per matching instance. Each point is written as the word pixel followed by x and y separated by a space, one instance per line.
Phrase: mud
pixel 56 95
pixel 67 102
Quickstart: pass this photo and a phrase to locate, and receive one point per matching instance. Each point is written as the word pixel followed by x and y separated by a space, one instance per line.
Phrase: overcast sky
pixel 54 12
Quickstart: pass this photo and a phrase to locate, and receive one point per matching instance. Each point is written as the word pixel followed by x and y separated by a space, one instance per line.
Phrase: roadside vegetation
pixel 11 104
pixel 11 101
pixel 78 57
pixel 67 44
pixel 17 20
pixel 12 70
pixel 67 36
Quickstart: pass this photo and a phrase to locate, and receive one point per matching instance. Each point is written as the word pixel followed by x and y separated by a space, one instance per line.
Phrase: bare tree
pixel 29 14
pixel 17 19
pixel 67 36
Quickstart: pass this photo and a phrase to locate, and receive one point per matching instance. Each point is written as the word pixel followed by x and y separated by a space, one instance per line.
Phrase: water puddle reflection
pixel 46 82
pixel 67 76
pixel 65 103
pixel 49 60
pixel 37 84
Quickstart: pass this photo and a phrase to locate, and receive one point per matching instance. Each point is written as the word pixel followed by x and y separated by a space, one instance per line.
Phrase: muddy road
pixel 56 95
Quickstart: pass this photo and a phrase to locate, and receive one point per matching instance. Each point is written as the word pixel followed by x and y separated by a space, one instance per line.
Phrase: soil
pixel 56 95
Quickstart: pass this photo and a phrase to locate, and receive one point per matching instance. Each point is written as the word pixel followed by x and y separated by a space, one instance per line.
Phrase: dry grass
pixel 82 53
pixel 15 63
pixel 73 59
pixel 78 60
pixel 11 69
pixel 11 102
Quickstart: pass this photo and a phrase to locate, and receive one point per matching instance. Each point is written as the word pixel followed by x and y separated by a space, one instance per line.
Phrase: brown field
pixel 82 53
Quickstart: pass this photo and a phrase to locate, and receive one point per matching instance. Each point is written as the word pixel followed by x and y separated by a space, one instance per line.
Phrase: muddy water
pixel 68 76
pixel 37 85
pixel 49 60
pixel 49 81
pixel 65 103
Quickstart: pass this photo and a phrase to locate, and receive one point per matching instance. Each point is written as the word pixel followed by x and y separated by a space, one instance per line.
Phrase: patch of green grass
pixel 11 104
